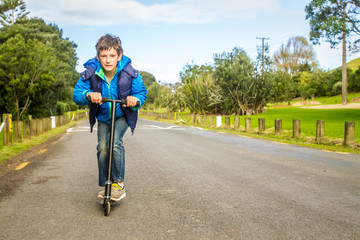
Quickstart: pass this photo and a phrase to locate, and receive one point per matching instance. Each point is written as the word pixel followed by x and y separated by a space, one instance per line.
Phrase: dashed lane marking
pixel 21 166
pixel 79 129
pixel 162 128
pixel 42 151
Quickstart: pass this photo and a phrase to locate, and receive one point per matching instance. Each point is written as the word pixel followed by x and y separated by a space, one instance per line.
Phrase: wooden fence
pixel 216 121
pixel 16 131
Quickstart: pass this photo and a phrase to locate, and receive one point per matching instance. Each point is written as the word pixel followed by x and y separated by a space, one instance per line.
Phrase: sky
pixel 161 37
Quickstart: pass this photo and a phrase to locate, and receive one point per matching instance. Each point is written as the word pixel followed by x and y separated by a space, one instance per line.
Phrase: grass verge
pixel 8 152
pixel 334 126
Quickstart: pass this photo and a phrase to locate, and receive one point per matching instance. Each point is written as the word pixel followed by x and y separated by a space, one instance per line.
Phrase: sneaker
pixel 101 194
pixel 117 192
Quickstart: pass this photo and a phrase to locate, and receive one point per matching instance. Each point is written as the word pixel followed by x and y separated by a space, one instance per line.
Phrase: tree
pixel 354 82
pixel 12 11
pixel 147 78
pixel 293 56
pixel 337 21
pixel 283 87
pixel 25 71
pixel 201 94
pixel 57 96
pixel 243 91
pixel 198 90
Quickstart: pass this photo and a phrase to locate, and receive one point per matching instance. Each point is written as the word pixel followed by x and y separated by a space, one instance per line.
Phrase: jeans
pixel 118 161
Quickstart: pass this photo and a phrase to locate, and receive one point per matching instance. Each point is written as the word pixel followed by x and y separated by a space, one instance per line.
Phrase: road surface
pixel 183 183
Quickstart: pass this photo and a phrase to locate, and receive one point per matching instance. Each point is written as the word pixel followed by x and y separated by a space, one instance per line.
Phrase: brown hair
pixel 107 42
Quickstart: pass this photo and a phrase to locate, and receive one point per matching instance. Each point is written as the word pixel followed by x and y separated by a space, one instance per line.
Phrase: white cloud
pixel 114 12
pixel 169 74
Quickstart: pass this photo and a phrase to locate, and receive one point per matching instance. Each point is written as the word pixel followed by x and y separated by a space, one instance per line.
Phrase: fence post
pixel 17 131
pixel 320 130
pixel 261 122
pixel 211 121
pixel 39 126
pixel 278 126
pixel 193 119
pixel 237 122
pixel 7 130
pixel 218 121
pixel 296 128
pixel 247 124
pixel 227 122
pixel 27 128
pixel 48 124
pixel 53 124
pixel 349 133
pixel 198 119
pixel 204 119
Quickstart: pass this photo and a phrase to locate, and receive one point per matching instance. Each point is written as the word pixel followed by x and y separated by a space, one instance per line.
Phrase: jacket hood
pixel 93 62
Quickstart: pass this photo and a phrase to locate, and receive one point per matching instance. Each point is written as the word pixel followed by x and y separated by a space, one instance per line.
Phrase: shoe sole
pixel 118 199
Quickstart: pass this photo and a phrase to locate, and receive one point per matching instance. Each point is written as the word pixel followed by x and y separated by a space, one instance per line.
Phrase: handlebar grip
pixel 104 99
pixel 124 102
pixel 137 104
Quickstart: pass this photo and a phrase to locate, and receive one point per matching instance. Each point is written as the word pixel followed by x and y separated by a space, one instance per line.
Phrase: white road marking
pixel 173 127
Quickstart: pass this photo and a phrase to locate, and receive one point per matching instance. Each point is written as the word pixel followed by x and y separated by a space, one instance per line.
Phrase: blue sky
pixel 161 37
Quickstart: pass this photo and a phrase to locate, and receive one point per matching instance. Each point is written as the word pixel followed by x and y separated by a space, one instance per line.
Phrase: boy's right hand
pixel 95 97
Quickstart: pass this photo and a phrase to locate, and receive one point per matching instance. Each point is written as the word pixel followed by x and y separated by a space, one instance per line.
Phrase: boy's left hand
pixel 131 101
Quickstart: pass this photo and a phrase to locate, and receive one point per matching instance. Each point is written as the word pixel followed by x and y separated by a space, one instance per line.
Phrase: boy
pixel 111 75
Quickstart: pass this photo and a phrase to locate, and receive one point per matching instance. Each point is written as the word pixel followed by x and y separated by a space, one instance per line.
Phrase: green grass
pixel 334 126
pixel 334 120
pixel 323 100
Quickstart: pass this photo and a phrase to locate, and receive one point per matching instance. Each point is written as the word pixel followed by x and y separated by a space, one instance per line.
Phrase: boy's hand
pixel 95 97
pixel 131 101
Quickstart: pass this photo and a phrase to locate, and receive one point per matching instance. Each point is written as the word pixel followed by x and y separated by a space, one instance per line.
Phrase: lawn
pixel 334 120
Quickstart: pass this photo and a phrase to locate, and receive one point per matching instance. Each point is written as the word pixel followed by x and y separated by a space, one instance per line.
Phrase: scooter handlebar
pixel 122 101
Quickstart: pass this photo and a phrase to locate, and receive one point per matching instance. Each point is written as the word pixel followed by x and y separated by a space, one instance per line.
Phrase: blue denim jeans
pixel 118 161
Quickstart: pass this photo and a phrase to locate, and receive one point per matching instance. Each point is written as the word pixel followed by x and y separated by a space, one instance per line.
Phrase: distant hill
pixel 354 64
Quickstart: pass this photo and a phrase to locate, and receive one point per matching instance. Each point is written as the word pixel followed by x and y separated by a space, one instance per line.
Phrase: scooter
pixel 107 201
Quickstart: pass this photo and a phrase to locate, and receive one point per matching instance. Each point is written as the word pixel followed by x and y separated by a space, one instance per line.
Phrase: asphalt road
pixel 184 183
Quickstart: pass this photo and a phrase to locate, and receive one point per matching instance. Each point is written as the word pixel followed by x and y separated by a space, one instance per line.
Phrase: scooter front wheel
pixel 107 208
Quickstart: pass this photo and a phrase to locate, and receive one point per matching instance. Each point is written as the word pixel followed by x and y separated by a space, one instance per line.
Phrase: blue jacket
pixel 94 73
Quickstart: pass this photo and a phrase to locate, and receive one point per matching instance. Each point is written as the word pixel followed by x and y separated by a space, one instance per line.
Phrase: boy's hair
pixel 107 42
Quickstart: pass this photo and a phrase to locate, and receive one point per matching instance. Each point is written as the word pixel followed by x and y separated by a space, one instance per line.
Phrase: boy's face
pixel 109 59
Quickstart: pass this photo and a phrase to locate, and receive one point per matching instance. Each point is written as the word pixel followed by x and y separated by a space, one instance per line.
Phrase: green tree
pixel 25 71
pixel 201 94
pixel 354 82
pixel 147 78
pixel 240 85
pixel 197 90
pixel 57 97
pixel 12 11
pixel 283 88
pixel 337 21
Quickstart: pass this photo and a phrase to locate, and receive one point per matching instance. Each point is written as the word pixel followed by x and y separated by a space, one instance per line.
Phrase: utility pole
pixel 262 53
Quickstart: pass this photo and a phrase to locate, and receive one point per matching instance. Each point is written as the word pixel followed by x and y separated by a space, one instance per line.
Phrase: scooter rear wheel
pixel 107 208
